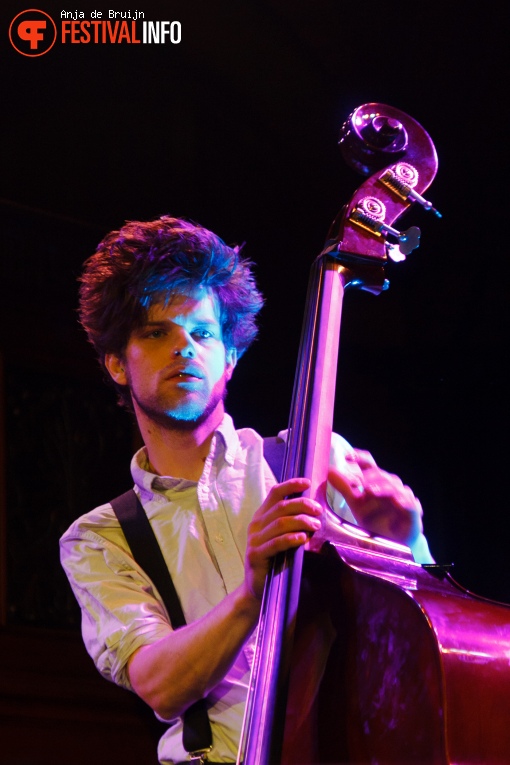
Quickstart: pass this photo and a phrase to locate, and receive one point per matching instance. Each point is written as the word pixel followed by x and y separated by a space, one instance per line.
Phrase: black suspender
pixel 274 450
pixel 197 735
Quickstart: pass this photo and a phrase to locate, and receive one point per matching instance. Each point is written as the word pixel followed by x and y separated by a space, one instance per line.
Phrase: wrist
pixel 420 550
pixel 247 604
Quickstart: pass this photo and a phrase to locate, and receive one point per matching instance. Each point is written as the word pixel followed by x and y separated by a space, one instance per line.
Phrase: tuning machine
pixel 401 181
pixel 369 214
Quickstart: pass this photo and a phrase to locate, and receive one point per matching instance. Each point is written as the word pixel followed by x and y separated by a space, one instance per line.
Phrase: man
pixel 170 309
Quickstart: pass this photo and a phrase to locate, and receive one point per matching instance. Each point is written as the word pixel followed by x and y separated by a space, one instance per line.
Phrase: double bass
pixel 364 656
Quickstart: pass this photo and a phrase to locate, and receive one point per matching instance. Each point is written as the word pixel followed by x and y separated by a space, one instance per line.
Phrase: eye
pixel 155 334
pixel 203 334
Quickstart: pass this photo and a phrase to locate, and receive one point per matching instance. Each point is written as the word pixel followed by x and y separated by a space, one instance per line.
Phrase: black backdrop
pixel 236 127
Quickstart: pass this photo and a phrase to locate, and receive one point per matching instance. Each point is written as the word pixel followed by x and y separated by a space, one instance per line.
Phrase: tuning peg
pixel 401 181
pixel 408 240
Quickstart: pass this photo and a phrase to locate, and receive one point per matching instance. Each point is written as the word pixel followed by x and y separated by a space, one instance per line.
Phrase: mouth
pixel 188 373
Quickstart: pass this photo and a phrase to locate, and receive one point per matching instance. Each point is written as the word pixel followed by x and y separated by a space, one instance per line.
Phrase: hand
pixel 279 524
pixel 379 501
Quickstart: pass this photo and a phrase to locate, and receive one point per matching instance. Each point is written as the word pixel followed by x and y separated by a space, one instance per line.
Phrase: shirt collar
pixel 228 434
pixel 149 483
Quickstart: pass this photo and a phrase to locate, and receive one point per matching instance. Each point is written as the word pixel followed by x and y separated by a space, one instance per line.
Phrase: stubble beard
pixel 176 418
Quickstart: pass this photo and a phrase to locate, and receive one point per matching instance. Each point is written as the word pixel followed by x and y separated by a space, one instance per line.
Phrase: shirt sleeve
pixel 121 609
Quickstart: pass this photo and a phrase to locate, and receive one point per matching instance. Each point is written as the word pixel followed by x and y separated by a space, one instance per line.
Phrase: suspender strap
pixel 197 735
pixel 274 451
pixel 147 552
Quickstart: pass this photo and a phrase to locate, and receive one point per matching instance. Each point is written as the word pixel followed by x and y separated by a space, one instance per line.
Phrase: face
pixel 177 366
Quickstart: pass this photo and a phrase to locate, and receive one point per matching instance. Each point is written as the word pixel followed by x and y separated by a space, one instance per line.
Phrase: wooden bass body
pixel 394 663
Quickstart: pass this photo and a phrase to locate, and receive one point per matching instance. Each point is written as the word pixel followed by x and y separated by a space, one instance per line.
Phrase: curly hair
pixel 146 263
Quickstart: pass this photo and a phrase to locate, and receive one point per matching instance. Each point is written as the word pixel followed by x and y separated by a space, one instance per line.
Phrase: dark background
pixel 237 127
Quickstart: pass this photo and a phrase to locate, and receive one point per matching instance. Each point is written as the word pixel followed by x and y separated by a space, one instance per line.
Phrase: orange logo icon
pixel 32 33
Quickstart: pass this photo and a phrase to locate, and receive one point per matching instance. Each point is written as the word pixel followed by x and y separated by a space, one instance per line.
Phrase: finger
pixel 259 558
pixel 276 539
pixel 362 458
pixel 372 484
pixel 408 501
pixel 282 534
pixel 289 514
pixel 377 481
pixel 283 543
pixel 349 486
pixel 280 493
pixel 290 525
pixel 381 485
pixel 285 489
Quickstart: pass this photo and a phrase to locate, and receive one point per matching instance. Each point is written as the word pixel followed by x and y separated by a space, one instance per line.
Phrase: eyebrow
pixel 162 323
pixel 194 320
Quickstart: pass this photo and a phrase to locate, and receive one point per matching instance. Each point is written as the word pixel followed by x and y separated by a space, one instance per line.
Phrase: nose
pixel 184 345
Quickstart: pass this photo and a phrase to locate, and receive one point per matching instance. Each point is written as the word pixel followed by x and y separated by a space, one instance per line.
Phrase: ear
pixel 115 367
pixel 230 361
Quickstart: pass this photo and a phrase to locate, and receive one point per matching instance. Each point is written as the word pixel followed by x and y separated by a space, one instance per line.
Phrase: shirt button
pixel 219 538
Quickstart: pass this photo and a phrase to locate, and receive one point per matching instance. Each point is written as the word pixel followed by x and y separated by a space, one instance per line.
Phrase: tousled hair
pixel 148 262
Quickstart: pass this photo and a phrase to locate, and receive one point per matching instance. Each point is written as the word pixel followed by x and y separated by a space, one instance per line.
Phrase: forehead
pixel 198 304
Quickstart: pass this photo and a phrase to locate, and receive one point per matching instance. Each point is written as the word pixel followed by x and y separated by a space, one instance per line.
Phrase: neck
pixel 177 452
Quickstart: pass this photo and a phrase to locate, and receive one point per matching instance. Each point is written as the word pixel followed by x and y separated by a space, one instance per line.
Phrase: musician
pixel 170 309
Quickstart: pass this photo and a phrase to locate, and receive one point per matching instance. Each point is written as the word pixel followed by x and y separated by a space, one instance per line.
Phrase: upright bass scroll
pixel 382 139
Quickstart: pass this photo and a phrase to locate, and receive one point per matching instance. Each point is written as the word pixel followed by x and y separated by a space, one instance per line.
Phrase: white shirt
pixel 202 531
